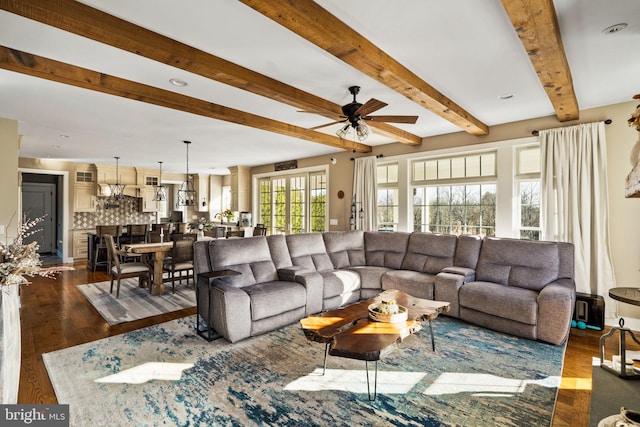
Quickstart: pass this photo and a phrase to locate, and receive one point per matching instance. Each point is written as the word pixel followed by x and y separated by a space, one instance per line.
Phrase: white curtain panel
pixel 365 191
pixel 575 202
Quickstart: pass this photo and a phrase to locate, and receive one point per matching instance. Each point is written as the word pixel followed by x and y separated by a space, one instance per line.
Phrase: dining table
pixel 159 251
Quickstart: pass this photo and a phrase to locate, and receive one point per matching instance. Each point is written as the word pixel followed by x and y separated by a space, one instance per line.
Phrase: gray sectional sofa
pixel 524 288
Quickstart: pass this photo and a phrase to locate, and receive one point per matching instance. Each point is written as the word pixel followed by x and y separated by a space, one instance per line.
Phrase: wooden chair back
pixel 112 253
pixel 260 230
pixel 182 251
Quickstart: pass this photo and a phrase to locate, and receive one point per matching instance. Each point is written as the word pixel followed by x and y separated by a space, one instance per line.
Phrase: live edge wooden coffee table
pixel 349 332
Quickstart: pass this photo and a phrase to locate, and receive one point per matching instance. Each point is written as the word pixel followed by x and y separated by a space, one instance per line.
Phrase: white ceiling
pixel 467 50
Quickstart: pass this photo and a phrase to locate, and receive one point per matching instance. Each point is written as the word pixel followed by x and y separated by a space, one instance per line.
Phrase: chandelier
pixel 159 192
pixel 117 189
pixel 186 194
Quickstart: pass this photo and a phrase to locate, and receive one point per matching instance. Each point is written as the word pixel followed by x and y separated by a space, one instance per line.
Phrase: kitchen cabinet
pixel 147 193
pixel 80 247
pixel 84 198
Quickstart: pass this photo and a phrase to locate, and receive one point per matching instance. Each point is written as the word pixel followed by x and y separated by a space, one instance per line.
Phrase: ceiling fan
pixel 354 114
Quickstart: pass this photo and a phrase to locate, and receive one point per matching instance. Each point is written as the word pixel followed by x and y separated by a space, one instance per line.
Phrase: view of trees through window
pixel 530 210
pixel 455 209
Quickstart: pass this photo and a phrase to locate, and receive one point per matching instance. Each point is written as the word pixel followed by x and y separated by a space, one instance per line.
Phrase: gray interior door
pixel 38 200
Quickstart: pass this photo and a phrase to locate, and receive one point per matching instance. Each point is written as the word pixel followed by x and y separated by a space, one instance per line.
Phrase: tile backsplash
pixel 105 214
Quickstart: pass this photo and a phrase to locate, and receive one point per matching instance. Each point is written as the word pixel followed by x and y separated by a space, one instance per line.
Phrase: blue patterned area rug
pixel 167 375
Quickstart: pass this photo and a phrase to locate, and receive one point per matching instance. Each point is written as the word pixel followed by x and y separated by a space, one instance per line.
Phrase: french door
pixel 293 204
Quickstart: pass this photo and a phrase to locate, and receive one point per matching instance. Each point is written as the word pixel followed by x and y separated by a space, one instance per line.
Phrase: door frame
pixel 66 240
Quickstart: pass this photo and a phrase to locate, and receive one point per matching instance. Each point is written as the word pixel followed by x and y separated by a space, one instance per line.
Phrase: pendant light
pixel 117 189
pixel 186 194
pixel 159 192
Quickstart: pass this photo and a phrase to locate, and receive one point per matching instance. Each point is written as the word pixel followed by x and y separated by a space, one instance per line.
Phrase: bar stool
pixel 101 231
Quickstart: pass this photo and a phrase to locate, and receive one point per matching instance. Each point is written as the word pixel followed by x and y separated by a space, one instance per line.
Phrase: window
pixel 528 176
pixel 226 197
pixel 387 197
pixel 294 203
pixel 151 180
pixel 455 195
pixel 455 209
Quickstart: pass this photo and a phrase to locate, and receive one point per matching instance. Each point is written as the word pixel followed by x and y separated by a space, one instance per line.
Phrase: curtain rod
pixel 606 122
pixel 377 157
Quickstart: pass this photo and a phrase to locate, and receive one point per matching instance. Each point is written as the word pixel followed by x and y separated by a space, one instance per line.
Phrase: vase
pixel 10 352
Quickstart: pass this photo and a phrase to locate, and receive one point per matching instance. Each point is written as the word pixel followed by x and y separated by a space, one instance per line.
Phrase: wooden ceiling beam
pixel 315 24
pixel 85 21
pixel 37 66
pixel 536 24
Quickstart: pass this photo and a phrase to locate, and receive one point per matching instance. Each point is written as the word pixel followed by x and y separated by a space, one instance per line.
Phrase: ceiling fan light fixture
pixel 343 131
pixel 362 131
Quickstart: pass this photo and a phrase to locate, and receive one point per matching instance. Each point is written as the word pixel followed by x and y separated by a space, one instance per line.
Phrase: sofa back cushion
pixel 429 252
pixel 384 249
pixel 522 263
pixel 249 256
pixel 566 268
pixel 345 248
pixel 468 251
pixel 308 251
pixel 279 251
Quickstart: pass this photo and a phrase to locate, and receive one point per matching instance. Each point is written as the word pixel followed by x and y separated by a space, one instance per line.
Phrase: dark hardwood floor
pixel 56 315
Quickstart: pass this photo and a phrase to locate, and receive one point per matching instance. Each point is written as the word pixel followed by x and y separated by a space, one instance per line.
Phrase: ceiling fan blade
pixel 369 107
pixel 393 119
pixel 327 124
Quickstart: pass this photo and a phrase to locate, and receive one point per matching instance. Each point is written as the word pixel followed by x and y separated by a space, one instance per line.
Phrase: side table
pixel 629 296
pixel 207 280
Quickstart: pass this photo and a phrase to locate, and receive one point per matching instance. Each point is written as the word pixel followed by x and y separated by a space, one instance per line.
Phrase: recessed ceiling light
pixel 615 28
pixel 64 136
pixel 506 96
pixel 177 82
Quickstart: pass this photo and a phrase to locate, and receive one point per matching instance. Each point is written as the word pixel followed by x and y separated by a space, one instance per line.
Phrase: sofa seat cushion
pixel 272 298
pixel 508 302
pixel 339 282
pixel 416 284
pixel 370 277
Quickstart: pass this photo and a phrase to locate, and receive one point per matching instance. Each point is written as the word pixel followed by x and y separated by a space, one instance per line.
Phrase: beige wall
pixel 9 215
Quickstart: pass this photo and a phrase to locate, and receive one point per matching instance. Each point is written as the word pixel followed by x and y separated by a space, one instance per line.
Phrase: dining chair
pixel 154 237
pixel 137 233
pixel 123 270
pixel 234 233
pixel 260 230
pixel 101 246
pixel 181 260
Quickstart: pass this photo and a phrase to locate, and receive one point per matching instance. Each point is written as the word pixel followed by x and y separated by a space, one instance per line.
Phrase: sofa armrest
pixel 231 312
pixel 556 303
pixel 314 285
pixel 469 274
pixel 446 288
pixel 288 274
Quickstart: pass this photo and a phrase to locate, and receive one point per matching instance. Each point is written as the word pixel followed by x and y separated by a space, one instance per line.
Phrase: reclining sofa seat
pixel 524 288
pixel 427 255
pixel 255 301
pixel 384 251
pixel 313 266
